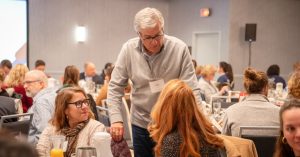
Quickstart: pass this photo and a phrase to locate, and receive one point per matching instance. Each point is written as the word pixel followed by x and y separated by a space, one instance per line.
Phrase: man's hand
pixel 117 131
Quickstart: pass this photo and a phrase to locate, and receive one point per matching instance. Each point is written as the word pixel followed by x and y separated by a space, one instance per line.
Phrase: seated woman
pixel 273 73
pixel 294 86
pixel 74 119
pixel 198 71
pixel 71 77
pixel 15 80
pixel 255 108
pixel 287 144
pixel 206 84
pixel 226 72
pixel 103 92
pixel 179 127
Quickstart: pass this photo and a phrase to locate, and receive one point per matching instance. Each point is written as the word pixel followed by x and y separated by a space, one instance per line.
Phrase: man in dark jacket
pixel 90 74
pixel 7 107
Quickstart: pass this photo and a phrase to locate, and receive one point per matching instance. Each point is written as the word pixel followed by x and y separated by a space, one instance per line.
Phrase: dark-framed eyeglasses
pixel 28 82
pixel 79 103
pixel 149 39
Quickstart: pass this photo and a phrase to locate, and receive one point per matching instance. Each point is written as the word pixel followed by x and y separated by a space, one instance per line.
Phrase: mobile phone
pixel 228 89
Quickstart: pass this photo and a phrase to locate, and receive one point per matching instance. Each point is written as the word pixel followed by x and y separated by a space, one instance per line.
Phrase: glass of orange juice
pixel 57 143
pixel 56 153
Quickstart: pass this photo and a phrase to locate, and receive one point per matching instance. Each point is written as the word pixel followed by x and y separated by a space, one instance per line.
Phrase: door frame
pixel 194 44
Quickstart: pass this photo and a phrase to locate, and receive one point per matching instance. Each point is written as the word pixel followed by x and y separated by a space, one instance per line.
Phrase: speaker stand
pixel 249 53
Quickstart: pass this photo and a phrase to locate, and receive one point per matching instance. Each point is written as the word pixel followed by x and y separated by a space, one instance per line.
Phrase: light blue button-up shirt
pixel 43 108
pixel 87 78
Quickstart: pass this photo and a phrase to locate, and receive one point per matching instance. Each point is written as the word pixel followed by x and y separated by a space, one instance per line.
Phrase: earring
pixel 67 116
pixel 284 142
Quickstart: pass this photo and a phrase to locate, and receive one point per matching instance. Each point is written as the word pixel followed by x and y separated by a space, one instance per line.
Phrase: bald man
pixel 35 84
pixel 90 74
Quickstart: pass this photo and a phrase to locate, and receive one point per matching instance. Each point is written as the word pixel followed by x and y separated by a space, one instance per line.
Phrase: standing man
pixel 90 74
pixel 150 60
pixel 35 84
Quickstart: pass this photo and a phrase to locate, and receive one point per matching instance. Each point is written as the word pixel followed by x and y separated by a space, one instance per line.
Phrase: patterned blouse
pixel 172 142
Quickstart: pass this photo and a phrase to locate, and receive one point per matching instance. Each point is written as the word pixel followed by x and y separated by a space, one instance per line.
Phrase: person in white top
pixel 206 84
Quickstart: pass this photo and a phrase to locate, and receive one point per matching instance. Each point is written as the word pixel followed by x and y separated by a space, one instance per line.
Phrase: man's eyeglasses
pixel 28 82
pixel 79 103
pixel 149 39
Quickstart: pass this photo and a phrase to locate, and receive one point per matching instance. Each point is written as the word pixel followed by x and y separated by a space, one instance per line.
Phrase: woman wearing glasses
pixel 15 80
pixel 74 119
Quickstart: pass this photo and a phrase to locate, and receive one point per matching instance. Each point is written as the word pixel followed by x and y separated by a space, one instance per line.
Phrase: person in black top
pixel 2 78
pixel 107 65
pixel 273 73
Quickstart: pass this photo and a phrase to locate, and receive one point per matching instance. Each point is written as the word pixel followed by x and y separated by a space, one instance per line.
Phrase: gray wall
pixel 278 35
pixel 184 19
pixel 109 24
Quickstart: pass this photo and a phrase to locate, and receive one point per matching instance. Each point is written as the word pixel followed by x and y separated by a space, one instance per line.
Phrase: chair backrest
pixel 256 128
pixel 125 116
pixel 103 102
pixel 128 103
pixel 202 97
pixel 103 118
pixel 18 126
pixel 265 145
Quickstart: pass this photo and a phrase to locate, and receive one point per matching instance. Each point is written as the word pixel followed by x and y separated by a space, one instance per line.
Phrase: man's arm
pixel 42 115
pixel 116 87
pixel 187 74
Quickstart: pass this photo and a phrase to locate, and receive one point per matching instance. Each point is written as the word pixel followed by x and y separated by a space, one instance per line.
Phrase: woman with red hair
pixel 179 127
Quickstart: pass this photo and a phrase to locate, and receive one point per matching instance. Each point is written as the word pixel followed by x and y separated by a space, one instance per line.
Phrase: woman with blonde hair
pixel 288 141
pixel 178 125
pixel 198 71
pixel 74 119
pixel 206 84
pixel 294 86
pixel 16 80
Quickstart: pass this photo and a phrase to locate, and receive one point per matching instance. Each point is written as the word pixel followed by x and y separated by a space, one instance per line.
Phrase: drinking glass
pixel 86 152
pixel 217 109
pixel 98 88
pixel 57 145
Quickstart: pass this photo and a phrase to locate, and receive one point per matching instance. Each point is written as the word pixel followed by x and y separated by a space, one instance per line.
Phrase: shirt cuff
pixel 116 118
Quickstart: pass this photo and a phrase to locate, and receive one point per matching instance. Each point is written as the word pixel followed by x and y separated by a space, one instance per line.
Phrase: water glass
pixel 98 88
pixel 86 152
pixel 217 107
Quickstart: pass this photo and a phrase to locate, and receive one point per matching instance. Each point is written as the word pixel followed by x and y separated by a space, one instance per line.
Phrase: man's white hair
pixel 147 18
pixel 39 75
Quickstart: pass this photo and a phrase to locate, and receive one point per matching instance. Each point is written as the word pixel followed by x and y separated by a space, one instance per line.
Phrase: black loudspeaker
pixel 250 34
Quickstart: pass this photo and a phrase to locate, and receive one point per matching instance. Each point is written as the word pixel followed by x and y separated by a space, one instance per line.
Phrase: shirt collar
pixel 42 92
pixel 255 97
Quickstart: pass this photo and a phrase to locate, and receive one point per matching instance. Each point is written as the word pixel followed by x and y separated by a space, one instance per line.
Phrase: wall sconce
pixel 81 34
